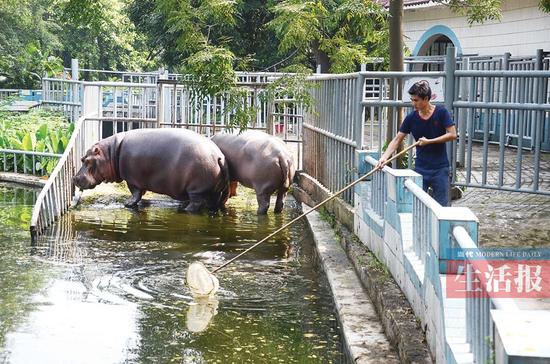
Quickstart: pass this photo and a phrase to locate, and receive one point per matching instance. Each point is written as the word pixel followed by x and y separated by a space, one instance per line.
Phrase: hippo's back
pixel 169 160
pixel 256 158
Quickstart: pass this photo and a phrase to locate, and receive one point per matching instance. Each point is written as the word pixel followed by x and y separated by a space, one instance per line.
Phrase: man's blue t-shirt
pixel 432 156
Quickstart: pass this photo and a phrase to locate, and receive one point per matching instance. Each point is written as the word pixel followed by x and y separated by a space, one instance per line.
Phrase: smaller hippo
pixel 260 161
pixel 179 163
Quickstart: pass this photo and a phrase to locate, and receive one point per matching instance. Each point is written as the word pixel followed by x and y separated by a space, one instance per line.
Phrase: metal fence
pixel 63 95
pixel 502 117
pixel 480 328
pixel 179 107
pixel 56 196
pixel 333 130
pixel 27 162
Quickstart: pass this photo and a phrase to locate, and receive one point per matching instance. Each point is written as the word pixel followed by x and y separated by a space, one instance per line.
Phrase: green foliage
pixel 212 71
pixel 38 36
pixel 38 131
pixel 100 34
pixel 297 23
pixel 477 11
pixel 28 42
pixel 342 31
pixel 292 85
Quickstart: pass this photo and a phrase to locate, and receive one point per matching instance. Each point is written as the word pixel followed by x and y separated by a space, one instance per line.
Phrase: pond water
pixel 106 285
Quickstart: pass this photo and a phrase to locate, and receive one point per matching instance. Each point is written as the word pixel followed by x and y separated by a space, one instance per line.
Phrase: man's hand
pixel 424 141
pixel 380 163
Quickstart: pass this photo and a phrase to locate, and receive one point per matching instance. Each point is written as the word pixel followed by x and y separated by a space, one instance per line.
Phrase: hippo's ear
pixel 95 150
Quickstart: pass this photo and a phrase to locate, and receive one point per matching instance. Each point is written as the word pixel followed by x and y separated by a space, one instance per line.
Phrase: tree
pixel 100 34
pixel 28 42
pixel 338 34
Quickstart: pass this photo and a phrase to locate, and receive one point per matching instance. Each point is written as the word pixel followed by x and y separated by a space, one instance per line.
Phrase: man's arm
pixel 392 147
pixel 448 136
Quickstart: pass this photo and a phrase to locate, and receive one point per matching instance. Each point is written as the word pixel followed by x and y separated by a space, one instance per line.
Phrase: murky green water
pixel 106 285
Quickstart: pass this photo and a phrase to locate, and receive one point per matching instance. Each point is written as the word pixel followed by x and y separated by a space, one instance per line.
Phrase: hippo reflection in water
pixel 260 161
pixel 179 163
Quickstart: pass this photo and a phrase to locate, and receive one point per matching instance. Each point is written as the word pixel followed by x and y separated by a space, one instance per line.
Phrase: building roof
pixel 407 4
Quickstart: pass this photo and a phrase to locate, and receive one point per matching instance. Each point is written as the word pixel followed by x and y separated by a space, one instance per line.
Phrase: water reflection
pixel 200 313
pixel 113 280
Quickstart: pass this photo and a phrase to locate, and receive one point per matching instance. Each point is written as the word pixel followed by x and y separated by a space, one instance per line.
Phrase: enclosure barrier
pixel 421 243
pixel 64 96
pixel 480 327
pixel 286 122
pixel 26 162
pixel 333 130
pixel 504 108
pixel 56 196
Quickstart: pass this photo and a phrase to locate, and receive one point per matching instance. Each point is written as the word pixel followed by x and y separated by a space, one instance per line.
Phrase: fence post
pixel 450 67
pixel 75 94
pixel 358 126
pixel 91 107
pixel 461 114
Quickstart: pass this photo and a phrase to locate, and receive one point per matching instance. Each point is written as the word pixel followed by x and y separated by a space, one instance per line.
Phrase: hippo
pixel 260 161
pixel 179 163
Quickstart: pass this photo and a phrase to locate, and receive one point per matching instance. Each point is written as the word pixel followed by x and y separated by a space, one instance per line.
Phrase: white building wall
pixel 522 29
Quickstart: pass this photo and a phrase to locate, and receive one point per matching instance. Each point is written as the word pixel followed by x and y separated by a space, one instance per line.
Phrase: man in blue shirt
pixel 433 127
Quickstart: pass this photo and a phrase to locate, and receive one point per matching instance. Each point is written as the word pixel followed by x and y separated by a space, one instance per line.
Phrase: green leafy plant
pixel 37 131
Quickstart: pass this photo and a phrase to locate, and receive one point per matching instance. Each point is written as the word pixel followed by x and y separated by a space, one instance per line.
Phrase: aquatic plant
pixel 38 131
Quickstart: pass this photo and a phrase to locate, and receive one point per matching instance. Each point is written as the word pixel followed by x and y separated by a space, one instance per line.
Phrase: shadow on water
pixel 111 289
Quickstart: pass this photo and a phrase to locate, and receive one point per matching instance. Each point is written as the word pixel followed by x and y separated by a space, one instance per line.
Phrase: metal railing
pixel 486 62
pixel 56 196
pixel 378 191
pixel 424 209
pixel 63 95
pixel 179 108
pixel 333 130
pixel 517 114
pixel 6 93
pixel 26 162
pixel 480 332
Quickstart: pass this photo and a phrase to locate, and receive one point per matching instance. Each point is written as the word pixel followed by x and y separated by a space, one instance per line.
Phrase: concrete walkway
pixel 509 219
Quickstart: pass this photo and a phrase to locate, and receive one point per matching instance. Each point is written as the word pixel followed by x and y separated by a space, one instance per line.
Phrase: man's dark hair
pixel 421 89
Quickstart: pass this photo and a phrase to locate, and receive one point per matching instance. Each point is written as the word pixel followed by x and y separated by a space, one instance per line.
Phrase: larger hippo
pixel 260 161
pixel 179 163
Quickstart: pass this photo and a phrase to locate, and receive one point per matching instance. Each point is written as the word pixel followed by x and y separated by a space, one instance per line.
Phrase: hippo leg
pixel 213 202
pixel 263 203
pixel 281 194
pixel 136 196
pixel 195 204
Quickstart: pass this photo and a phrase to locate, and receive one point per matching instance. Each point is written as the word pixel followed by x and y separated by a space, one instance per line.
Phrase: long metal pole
pixel 317 206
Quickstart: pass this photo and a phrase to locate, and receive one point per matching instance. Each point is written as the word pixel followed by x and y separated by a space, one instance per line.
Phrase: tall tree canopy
pixel 27 40
pixel 38 36
pixel 340 34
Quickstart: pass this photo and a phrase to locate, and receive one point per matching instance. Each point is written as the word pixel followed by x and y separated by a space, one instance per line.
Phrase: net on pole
pixel 200 281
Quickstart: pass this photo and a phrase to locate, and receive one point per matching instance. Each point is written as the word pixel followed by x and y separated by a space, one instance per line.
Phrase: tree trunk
pixel 396 64
pixel 321 58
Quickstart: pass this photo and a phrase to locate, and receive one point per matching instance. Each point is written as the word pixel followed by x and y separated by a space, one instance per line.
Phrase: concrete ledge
pixel 363 333
pixel 398 320
pixel 22 179
pixel 311 192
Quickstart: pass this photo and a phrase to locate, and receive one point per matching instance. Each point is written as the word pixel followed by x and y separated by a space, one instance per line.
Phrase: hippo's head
pixel 96 168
